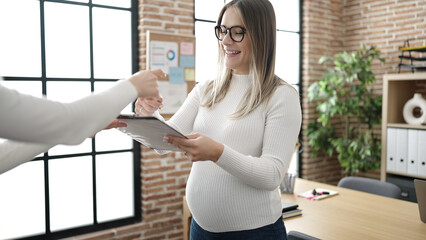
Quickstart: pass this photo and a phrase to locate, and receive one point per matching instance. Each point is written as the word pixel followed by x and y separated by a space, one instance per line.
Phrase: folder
pixel 412 151
pixel 421 149
pixel 150 131
pixel 391 149
pixel 401 150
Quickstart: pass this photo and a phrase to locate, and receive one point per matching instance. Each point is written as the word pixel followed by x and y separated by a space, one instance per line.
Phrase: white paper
pixel 173 96
pixel 163 55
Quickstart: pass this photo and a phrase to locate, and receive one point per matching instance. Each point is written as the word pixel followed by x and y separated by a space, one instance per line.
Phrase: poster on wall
pixel 175 96
pixel 175 55
pixel 164 55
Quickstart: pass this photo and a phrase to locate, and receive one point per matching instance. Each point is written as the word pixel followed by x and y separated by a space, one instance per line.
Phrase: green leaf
pixel 344 98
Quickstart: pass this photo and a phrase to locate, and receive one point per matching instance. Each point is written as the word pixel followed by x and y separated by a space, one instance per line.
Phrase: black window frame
pixel 96 226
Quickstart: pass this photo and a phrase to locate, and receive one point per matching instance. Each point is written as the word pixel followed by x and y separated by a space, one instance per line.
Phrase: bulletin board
pixel 175 55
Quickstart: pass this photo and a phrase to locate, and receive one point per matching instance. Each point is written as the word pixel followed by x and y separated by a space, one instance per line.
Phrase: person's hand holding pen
pixel 146 83
pixel 147 106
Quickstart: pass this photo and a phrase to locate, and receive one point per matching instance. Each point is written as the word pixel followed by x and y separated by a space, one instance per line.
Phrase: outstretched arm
pixel 30 119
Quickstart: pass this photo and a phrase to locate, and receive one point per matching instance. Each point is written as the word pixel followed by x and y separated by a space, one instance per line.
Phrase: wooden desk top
pixel 354 215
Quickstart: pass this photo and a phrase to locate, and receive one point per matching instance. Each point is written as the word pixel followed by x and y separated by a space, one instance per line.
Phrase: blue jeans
pixel 275 231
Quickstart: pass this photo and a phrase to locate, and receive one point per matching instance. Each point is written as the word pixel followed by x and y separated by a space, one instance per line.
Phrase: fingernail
pixel 165 139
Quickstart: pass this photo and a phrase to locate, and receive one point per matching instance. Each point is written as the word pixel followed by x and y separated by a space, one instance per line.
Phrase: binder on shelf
pixel 412 151
pixel 391 149
pixel 401 150
pixel 421 149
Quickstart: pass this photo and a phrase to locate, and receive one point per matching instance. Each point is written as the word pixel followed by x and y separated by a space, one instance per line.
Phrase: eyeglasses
pixel 235 32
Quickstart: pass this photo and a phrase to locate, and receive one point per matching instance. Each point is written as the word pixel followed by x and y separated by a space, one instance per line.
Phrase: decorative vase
pixel 418 104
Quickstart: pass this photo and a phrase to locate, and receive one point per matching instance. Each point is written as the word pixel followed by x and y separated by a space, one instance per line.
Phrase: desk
pixel 354 215
pixel 349 215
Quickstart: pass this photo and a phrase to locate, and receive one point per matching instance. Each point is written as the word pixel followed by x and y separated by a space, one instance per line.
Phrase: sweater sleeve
pixel 30 119
pixel 183 119
pixel 282 126
pixel 13 154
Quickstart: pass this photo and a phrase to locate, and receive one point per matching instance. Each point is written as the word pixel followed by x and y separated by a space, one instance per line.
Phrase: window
pixel 287 64
pixel 65 50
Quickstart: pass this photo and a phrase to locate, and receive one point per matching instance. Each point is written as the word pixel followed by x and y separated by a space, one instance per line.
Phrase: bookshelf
pixel 397 90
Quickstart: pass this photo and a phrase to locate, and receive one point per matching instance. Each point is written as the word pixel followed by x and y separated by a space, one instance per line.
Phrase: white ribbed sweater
pixel 239 191
pixel 37 124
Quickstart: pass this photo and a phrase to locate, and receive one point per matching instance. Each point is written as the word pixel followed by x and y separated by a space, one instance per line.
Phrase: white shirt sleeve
pixel 38 124
pixel 29 119
pixel 13 154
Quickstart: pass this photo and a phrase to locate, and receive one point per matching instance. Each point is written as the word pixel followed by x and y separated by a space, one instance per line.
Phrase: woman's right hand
pixel 147 106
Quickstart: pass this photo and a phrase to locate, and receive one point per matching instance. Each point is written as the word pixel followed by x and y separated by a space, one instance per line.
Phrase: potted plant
pixel 345 102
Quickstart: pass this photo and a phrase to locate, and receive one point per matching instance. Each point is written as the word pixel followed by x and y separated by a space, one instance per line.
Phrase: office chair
pixel 371 186
pixel 295 235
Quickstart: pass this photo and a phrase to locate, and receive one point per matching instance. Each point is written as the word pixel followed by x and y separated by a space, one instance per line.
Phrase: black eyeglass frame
pixel 221 27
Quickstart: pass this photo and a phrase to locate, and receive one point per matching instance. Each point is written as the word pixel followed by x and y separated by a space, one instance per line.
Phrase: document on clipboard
pixel 150 131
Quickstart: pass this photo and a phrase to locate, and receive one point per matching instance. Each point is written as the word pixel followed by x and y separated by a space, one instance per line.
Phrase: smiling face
pixel 237 54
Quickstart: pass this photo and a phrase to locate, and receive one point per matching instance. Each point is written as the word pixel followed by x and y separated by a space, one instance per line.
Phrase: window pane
pixel 116 3
pixel 112 139
pixel 68 92
pixel 20 41
pixel 67 40
pixel 287 60
pixel 287 14
pixel 71 192
pixel 114 186
pixel 206 50
pixel 112 43
pixel 22 201
pixel 32 88
pixel 208 10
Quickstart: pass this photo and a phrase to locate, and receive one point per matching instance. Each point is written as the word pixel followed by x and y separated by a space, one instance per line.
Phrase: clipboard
pixel 149 131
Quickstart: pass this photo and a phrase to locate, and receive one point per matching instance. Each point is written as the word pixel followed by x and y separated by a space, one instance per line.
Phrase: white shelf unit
pixel 397 90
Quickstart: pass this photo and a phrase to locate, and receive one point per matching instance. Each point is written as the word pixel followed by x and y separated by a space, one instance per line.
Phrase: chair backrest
pixel 295 235
pixel 371 186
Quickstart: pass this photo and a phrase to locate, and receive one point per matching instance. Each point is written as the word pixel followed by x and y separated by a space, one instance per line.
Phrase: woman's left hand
pixel 197 147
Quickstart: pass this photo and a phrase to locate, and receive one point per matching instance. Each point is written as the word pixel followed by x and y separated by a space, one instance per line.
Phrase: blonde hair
pixel 259 19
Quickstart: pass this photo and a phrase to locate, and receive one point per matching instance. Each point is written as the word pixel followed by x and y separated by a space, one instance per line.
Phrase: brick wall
pixel 329 27
pixel 323 29
pixel 335 25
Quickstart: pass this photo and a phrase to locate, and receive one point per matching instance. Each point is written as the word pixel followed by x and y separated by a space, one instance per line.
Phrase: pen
pixel 315 193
